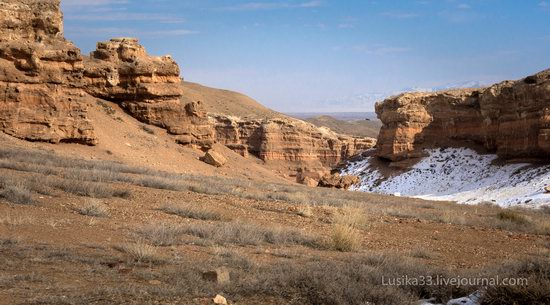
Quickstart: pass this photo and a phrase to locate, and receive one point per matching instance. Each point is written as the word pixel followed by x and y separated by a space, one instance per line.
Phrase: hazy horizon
pixel 326 55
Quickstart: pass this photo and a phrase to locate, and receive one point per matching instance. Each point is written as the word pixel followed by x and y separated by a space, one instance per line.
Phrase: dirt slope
pixel 218 101
pixel 361 128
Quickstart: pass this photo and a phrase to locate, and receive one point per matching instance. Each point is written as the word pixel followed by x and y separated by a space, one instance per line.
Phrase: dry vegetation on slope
pixel 362 128
pixel 282 244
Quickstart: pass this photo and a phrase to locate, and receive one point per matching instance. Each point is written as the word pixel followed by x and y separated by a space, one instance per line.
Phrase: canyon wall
pixel 511 119
pixel 147 87
pixel 286 139
pixel 47 87
pixel 40 73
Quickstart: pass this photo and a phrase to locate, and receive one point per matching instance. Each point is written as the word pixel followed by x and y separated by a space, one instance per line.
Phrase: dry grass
pixel 16 193
pixel 345 235
pixel 141 251
pixel 345 238
pixel 305 211
pixel 97 179
pixel 93 209
pixel 248 234
pixel 160 234
pixel 194 211
pixel 15 220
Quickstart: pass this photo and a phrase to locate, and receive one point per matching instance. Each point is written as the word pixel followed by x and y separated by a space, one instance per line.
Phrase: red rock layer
pixel 511 119
pixel 40 73
pixel 148 87
pixel 287 140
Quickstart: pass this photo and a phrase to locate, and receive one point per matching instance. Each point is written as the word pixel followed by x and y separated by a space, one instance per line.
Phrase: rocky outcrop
pixel 148 87
pixel 287 140
pixel 40 75
pixel 511 119
pixel 338 181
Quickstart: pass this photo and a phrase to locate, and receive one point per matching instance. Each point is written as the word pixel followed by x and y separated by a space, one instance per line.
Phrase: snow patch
pixel 462 175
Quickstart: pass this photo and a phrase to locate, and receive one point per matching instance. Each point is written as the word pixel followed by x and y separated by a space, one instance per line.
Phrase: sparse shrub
pixel 534 275
pixel 93 209
pixel 18 194
pixel 345 238
pixel 160 234
pixel 513 216
pixel 194 211
pixel 305 211
pixel 248 234
pixel 351 216
pixel 141 252
pixel 422 253
pixel 88 189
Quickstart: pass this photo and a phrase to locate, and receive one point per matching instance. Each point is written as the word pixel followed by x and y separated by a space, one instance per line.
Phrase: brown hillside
pixel 362 128
pixel 219 101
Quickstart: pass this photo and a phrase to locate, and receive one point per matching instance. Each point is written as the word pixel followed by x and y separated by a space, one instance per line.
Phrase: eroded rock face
pixel 288 140
pixel 511 119
pixel 40 75
pixel 148 87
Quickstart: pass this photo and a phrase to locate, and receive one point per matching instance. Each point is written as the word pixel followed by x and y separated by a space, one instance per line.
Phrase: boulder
pixel 547 189
pixel 219 300
pixel 220 276
pixel 310 182
pixel 338 181
pixel 214 158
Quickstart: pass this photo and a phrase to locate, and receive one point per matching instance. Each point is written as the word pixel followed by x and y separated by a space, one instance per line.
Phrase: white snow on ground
pixel 462 175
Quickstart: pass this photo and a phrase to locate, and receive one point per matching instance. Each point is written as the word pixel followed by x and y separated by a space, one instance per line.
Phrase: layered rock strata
pixel 40 75
pixel 511 119
pixel 148 87
pixel 287 140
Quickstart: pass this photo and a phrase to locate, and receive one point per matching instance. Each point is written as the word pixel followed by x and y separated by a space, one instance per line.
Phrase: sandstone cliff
pixel 511 119
pixel 47 87
pixel 148 87
pixel 286 139
pixel 40 73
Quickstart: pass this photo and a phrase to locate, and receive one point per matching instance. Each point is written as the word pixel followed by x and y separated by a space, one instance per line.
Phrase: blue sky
pixel 326 55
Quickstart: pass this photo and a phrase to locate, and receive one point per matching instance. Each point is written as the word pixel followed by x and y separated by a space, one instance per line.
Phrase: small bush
pixel 160 234
pixel 345 238
pixel 247 234
pixel 513 216
pixel 18 194
pixel 141 252
pixel 192 211
pixel 305 211
pixel 93 209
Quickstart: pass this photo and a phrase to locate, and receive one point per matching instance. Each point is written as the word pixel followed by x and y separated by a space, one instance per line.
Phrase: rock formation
pixel 287 140
pixel 511 119
pixel 40 73
pixel 47 86
pixel 149 88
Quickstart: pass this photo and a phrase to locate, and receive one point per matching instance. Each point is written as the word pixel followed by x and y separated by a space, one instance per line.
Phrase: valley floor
pixel 102 232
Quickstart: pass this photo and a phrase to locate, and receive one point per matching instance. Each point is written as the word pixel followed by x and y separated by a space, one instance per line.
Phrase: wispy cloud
pixel 544 4
pixel 89 3
pixel 125 16
pixel 265 6
pixel 123 32
pixel 400 15
pixel 464 6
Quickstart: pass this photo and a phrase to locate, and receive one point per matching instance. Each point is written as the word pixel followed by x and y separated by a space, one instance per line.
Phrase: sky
pixel 327 55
